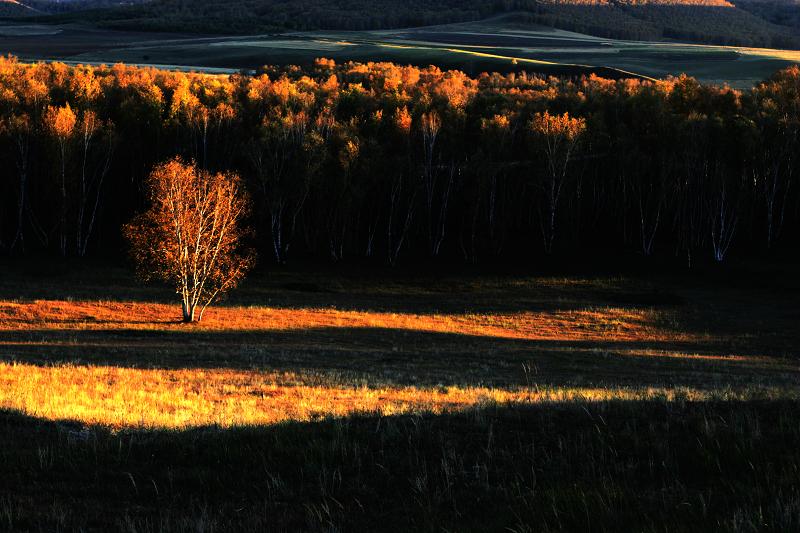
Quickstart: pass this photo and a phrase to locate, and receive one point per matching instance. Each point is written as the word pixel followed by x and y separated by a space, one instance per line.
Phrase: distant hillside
pixel 703 21
pixel 34 7
pixel 783 12
pixel 748 22
pixel 12 8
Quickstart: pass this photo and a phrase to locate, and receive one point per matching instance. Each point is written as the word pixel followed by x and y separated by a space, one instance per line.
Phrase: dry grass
pixel 524 405
pixel 555 353
pixel 572 325
pixel 119 396
pixel 124 397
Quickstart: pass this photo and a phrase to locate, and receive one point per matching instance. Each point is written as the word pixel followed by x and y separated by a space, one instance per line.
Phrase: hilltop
pixel 13 8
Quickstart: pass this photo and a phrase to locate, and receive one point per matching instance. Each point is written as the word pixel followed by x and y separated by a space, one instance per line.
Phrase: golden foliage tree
pixel 558 137
pixel 191 235
pixel 60 122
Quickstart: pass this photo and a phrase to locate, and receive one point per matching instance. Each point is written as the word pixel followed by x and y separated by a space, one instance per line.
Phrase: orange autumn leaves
pixel 190 236
pixel 61 121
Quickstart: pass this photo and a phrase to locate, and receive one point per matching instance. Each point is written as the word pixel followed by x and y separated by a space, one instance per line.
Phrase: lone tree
pixel 191 235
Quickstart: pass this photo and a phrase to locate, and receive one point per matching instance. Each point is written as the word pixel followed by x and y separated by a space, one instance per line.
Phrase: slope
pixel 701 21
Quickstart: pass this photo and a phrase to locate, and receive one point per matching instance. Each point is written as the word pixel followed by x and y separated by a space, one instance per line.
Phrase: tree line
pixel 396 164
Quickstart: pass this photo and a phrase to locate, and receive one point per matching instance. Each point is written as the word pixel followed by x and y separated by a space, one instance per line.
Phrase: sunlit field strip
pixel 584 324
pixel 125 397
pixel 165 398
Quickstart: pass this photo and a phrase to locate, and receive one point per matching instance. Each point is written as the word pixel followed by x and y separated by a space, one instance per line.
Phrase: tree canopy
pixel 191 234
pixel 397 164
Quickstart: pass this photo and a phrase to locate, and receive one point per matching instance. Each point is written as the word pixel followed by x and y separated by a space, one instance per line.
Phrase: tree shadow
pixel 402 357
pixel 627 463
pixel 717 326
pixel 372 293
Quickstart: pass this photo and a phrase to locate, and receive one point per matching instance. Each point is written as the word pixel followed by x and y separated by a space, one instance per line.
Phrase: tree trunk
pixel 19 236
pixel 188 312
pixel 63 218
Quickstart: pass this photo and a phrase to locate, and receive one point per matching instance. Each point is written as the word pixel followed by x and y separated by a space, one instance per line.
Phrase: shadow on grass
pixel 608 466
pixel 391 294
pixel 399 357
pixel 758 314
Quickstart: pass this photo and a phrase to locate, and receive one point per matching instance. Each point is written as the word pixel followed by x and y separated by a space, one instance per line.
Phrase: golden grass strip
pixel 152 398
pixel 562 325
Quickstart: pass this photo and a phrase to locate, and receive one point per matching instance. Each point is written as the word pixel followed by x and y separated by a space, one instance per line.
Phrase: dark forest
pixel 396 164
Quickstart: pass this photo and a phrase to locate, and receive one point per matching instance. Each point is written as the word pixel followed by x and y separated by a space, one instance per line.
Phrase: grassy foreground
pixel 333 403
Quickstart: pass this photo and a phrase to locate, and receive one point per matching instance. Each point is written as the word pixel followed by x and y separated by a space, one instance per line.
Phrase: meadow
pixel 501 44
pixel 373 400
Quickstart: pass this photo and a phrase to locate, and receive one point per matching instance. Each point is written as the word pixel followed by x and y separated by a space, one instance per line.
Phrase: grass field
pixel 374 401
pixel 495 45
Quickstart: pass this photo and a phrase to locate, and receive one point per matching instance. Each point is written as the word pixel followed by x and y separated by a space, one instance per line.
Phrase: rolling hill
pixel 783 12
pixel 13 8
pixel 738 22
pixel 34 7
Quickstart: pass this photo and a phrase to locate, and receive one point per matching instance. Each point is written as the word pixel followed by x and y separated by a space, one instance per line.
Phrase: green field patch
pixel 291 44
pixel 494 40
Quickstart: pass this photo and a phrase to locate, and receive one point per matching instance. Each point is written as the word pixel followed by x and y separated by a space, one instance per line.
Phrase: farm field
pixel 494 45
pixel 324 401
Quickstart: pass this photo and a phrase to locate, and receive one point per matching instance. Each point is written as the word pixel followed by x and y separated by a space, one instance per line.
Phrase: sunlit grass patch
pixel 156 398
pixel 134 364
pixel 308 403
pixel 570 324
